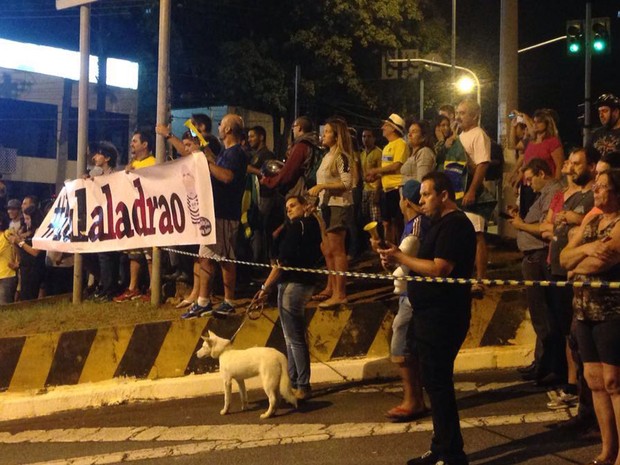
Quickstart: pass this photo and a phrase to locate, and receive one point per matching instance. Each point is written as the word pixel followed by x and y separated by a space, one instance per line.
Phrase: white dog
pixel 239 365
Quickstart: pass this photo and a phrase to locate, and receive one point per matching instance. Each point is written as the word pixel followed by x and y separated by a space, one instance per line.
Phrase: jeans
pixel 550 346
pixel 108 264
pixel 292 301
pixel 7 290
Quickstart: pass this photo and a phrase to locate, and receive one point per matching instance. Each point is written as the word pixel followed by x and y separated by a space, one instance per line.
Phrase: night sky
pixel 547 76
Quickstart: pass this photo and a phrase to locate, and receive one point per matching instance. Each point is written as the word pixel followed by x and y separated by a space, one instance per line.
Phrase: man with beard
pixel 574 208
pixel 607 138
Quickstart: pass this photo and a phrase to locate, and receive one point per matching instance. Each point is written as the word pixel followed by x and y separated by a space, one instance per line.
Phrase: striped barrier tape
pixel 420 279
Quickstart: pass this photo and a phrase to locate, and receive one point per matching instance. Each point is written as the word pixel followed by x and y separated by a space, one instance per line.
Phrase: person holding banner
pixel 228 180
pixel 140 147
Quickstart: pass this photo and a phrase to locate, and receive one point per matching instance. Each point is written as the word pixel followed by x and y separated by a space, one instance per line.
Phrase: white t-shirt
pixel 477 145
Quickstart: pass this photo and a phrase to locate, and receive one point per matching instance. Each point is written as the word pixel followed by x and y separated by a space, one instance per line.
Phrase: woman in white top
pixel 422 158
pixel 334 185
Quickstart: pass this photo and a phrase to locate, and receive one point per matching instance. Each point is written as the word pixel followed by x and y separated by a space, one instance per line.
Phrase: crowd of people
pixel 423 189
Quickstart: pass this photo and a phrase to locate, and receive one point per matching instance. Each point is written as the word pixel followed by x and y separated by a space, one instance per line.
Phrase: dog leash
pixel 252 312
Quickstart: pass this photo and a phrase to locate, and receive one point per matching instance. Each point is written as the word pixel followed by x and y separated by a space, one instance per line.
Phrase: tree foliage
pixel 249 54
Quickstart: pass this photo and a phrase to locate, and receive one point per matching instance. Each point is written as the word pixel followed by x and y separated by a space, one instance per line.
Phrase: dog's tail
pixel 285 383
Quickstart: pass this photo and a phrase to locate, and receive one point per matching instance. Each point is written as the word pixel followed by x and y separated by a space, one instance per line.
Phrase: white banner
pixel 163 205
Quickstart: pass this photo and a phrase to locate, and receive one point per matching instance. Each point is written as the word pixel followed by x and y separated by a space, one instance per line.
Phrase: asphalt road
pixel 504 422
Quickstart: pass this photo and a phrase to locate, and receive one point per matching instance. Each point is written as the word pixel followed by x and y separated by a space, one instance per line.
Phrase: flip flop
pixel 320 297
pixel 399 414
pixel 184 303
pixel 329 303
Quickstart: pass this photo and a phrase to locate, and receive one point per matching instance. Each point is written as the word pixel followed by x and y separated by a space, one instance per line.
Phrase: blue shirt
pixel 227 197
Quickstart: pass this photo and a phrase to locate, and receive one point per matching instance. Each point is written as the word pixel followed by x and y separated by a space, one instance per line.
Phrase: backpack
pixel 311 165
pixel 496 166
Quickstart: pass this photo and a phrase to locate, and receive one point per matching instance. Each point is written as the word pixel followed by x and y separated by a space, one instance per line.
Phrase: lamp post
pixel 444 65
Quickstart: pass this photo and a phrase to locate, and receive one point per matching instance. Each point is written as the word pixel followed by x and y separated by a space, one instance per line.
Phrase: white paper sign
pixel 162 205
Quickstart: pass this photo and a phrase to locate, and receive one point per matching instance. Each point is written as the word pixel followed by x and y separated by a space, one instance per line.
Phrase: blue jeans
pixel 292 301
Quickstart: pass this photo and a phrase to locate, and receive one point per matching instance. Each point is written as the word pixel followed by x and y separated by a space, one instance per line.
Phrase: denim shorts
pixel 400 347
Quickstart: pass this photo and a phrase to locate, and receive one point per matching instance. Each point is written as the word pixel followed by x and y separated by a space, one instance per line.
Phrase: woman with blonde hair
pixel 335 181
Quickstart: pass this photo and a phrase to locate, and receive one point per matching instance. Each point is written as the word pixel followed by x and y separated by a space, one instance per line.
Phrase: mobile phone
pixel 506 216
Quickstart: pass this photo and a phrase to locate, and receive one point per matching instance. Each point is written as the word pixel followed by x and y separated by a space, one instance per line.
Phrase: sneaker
pixel 146 297
pixel 102 298
pixel 196 311
pixel 128 295
pixel 563 400
pixel 224 309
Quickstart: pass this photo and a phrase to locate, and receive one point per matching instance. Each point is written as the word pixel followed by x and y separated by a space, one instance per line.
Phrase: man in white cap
pixel 394 154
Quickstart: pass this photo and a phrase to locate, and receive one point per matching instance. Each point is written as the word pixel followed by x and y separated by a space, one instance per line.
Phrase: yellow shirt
pixel 395 152
pixel 148 161
pixel 369 161
pixel 7 255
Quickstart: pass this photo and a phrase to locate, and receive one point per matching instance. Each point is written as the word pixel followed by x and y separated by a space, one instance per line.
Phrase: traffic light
pixel 574 37
pixel 600 36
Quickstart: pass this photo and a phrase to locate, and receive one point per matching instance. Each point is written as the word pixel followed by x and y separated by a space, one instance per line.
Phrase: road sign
pixel 399 70
pixel 62 4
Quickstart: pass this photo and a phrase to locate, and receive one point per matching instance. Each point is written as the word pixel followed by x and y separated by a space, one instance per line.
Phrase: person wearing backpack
pixel 296 176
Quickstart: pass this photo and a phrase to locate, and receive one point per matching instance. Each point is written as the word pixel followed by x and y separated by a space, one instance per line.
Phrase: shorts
pixel 400 347
pixel 476 220
pixel 337 218
pixel 137 254
pixel 226 235
pixel 370 205
pixel 599 341
pixel 390 205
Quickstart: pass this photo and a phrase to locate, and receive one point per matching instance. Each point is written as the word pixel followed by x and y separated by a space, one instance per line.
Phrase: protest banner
pixel 162 205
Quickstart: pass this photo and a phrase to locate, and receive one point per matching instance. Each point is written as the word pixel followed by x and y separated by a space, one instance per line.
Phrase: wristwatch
pixel 20 244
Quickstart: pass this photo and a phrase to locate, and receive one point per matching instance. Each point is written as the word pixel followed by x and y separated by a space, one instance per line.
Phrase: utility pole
pixel 588 72
pixel 163 72
pixel 82 139
pixel 508 83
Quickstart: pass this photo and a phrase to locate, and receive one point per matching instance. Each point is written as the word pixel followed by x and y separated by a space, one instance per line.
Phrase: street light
pixel 444 65
pixel 465 85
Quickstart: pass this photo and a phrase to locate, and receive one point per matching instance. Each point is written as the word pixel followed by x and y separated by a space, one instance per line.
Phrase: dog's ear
pixel 204 338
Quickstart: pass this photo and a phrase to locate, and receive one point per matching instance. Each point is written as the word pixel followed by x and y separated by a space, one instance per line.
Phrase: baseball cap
pixel 14 204
pixel 411 191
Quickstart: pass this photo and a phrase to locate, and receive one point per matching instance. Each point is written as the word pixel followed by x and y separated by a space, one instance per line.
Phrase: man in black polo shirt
pixel 441 311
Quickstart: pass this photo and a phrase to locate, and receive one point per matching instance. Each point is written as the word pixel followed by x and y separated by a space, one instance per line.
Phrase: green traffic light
pixel 599 45
pixel 574 48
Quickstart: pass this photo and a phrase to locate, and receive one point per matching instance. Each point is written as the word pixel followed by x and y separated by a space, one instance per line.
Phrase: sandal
pixel 399 414
pixel 320 297
pixel 184 303
pixel 331 303
pixel 477 291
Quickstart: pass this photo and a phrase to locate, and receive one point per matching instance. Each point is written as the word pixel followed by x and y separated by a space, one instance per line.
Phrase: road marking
pixel 228 437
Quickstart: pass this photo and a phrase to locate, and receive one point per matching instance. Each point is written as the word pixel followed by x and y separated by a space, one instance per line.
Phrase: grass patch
pixel 57 314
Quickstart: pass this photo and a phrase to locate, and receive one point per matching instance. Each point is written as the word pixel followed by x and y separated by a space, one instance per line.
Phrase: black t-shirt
pixel 300 247
pixel 451 237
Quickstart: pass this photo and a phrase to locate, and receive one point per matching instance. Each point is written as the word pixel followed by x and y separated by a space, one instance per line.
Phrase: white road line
pixel 229 437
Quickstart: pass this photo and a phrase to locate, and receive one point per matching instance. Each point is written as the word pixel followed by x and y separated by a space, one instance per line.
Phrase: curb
pixel 36 403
